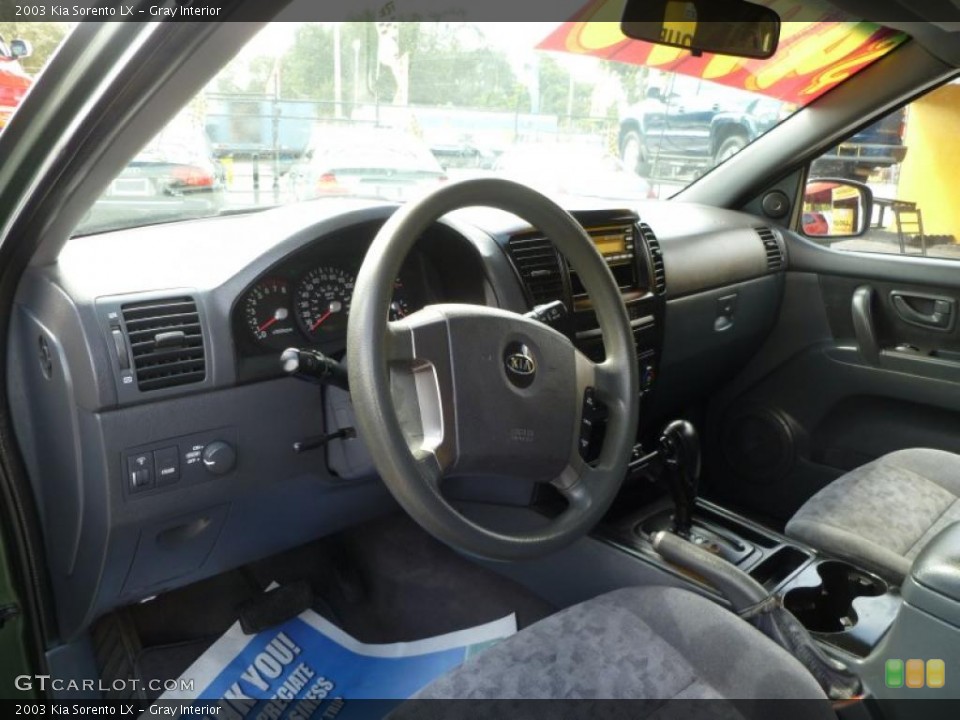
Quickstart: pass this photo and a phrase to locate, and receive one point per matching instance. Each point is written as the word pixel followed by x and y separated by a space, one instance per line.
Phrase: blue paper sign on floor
pixel 309 668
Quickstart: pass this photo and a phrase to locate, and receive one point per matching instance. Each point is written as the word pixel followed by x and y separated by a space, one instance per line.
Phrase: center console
pixel 923 642
pixel 857 633
pixel 632 253
pixel 842 606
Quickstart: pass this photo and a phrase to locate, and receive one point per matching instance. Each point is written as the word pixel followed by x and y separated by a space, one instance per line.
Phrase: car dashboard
pixel 159 428
pixel 303 300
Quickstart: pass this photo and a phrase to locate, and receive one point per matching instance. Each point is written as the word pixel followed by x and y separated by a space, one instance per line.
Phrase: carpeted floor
pixel 386 581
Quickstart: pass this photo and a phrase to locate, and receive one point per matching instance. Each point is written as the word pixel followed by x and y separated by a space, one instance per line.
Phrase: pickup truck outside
pixel 694 125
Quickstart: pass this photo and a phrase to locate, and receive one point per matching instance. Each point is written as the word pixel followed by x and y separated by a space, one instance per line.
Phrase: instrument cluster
pixel 298 304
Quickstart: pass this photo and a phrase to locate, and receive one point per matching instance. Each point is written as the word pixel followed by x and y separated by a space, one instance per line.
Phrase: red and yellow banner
pixel 812 56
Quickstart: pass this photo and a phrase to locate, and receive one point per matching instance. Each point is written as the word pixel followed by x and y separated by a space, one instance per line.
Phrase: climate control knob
pixel 219 457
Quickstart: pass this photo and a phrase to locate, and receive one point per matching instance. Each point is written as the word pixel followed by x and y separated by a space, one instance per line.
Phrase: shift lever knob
pixel 680 450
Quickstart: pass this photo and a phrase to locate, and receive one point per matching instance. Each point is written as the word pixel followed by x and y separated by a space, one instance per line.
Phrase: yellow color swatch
pixel 914 673
pixel 936 673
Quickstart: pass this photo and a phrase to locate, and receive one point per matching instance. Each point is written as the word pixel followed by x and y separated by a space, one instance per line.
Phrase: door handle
pixel 863 326
pixel 929 311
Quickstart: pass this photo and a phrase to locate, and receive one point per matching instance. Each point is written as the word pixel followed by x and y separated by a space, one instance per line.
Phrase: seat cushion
pixel 638 643
pixel 880 515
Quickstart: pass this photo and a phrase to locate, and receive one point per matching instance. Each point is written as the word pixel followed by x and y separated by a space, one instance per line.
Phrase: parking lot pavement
pixel 249 184
pixel 887 242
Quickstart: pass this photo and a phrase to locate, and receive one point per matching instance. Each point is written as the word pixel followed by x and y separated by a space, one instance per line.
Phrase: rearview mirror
pixel 724 27
pixel 20 49
pixel 834 208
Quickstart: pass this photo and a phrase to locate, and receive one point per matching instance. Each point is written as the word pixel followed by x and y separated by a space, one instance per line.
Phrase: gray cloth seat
pixel 654 643
pixel 880 515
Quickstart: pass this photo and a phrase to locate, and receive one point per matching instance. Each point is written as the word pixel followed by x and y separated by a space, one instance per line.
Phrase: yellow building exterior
pixel 930 173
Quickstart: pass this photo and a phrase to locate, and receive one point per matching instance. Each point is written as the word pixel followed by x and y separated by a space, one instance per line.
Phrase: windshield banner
pixel 308 668
pixel 812 56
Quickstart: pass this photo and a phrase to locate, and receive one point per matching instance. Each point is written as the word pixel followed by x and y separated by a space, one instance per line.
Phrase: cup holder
pixel 828 607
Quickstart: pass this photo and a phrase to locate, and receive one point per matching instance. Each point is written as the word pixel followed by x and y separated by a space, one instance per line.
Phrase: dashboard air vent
pixel 166 342
pixel 772 247
pixel 656 259
pixel 538 263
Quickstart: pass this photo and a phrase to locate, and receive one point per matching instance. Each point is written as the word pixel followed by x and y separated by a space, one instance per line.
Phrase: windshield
pixel 391 110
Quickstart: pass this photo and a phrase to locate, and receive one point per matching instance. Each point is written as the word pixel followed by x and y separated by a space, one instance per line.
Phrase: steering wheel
pixel 477 391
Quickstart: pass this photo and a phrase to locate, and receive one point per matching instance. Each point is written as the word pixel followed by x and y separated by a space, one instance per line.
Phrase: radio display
pixel 611 244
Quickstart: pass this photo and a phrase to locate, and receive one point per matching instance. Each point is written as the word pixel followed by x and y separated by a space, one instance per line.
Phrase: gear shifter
pixel 679 453
pixel 680 450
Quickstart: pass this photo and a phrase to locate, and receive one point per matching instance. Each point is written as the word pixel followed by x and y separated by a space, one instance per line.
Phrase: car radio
pixel 616 245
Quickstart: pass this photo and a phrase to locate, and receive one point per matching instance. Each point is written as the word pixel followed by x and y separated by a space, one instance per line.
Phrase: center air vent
pixel 166 342
pixel 538 263
pixel 656 258
pixel 771 247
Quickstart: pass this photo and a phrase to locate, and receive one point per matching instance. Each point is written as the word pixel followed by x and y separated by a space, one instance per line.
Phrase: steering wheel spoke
pixel 400 345
pixel 421 385
pixel 601 377
pixel 432 465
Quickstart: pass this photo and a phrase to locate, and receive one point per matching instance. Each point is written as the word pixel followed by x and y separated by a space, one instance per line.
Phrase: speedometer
pixel 323 302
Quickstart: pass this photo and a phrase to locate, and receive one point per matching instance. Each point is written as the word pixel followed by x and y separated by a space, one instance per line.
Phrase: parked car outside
pixel 463 154
pixel 815 224
pixel 576 171
pixel 365 161
pixel 174 176
pixel 691 125
pixel 14 81
pixel 877 146
pixel 695 125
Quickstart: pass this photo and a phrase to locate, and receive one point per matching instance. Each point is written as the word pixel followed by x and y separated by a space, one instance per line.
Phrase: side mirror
pixel 835 208
pixel 654 93
pixel 725 27
pixel 21 49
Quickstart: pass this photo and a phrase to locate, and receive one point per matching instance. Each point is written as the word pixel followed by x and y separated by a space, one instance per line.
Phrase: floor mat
pixel 310 660
pixel 394 582
pixel 386 581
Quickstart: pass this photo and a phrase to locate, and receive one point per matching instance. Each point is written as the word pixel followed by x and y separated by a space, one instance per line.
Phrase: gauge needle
pixel 280 314
pixel 334 307
pixel 320 320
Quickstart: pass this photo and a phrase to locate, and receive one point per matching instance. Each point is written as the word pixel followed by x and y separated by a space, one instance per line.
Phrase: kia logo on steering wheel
pixel 520 365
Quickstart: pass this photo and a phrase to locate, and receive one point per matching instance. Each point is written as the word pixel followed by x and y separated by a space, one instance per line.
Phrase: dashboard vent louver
pixel 166 342
pixel 656 259
pixel 772 247
pixel 538 263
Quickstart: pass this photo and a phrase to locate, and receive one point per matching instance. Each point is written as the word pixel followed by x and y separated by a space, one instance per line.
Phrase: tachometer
pixel 266 310
pixel 323 302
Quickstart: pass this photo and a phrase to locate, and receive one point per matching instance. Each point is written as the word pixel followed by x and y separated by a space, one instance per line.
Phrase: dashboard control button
pixel 219 457
pixel 120 347
pixel 593 416
pixel 167 463
pixel 140 471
